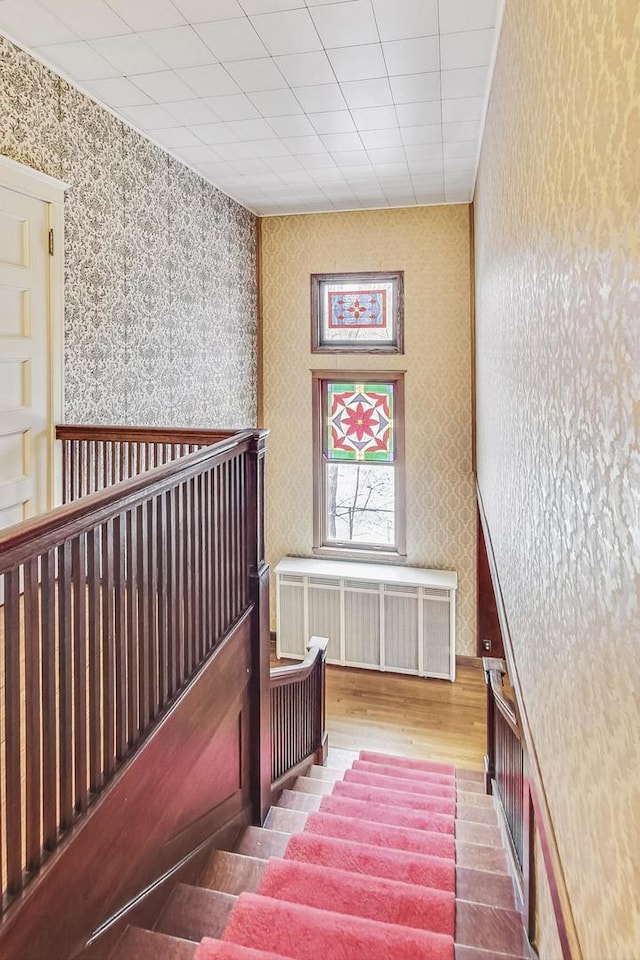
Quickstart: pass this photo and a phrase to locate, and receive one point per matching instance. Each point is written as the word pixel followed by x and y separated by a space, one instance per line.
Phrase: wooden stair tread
pixel 462 952
pixel 313 785
pixel 261 843
pixel 481 886
pixel 195 912
pixel 232 872
pixel 490 928
pixel 294 800
pixel 151 945
pixel 482 857
pixel 287 821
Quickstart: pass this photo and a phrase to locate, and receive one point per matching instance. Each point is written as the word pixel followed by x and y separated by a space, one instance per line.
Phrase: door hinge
pixel 51 243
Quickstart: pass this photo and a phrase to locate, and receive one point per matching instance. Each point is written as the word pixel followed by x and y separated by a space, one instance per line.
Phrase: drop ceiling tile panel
pixel 30 23
pixel 232 39
pixel 315 161
pixel 387 155
pixel 336 142
pixel 212 133
pixel 301 146
pixel 402 19
pixel 178 47
pixel 411 56
pixel 469 49
pixel 415 87
pixel 297 126
pixel 236 106
pixel 192 112
pixel 258 74
pixel 89 19
pixel 375 139
pixel 200 11
pixel 148 14
pixel 233 151
pixel 346 24
pixel 269 148
pixel 252 129
pixel 412 114
pixel 275 103
pixel 208 81
pixel 197 155
pixel 452 132
pixel 460 15
pixel 282 164
pixel 291 31
pixel 164 86
pixel 353 158
pixel 462 109
pixel 470 82
pixel 152 117
pixel 374 118
pixel 117 92
pixel 321 98
pixel 427 133
pixel 363 62
pixel 78 60
pixel 462 149
pixel 334 121
pixel 423 151
pixel 129 54
pixel 305 69
pixel 367 93
pixel 176 137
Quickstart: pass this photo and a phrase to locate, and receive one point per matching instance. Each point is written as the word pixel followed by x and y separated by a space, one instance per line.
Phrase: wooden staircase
pixel 488 923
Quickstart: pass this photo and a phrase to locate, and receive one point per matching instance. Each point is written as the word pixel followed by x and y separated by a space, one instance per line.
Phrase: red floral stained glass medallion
pixel 360 422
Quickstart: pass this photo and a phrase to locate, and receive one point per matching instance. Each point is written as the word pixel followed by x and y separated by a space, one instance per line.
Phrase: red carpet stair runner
pixel 390 859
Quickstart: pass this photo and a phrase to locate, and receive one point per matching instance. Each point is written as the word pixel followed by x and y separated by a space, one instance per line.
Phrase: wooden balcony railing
pixel 95 457
pixel 298 734
pixel 109 605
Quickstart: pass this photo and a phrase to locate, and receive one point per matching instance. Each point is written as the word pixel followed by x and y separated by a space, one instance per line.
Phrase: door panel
pixel 25 385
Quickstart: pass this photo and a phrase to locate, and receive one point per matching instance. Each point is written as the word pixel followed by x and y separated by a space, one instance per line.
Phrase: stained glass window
pixel 357 312
pixel 359 422
pixel 359 463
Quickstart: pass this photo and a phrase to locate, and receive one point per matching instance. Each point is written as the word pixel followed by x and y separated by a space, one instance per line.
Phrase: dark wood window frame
pixel 355 346
pixel 345 550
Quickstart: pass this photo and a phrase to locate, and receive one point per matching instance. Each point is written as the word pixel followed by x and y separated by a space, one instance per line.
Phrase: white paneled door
pixel 25 357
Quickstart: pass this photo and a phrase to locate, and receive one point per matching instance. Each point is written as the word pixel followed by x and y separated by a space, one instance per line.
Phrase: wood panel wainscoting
pixel 135 672
pixel 512 774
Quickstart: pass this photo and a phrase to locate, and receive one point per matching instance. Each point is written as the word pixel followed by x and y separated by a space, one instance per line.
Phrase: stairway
pixel 372 857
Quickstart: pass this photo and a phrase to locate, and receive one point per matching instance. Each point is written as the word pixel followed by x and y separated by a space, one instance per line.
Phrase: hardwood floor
pixel 408 716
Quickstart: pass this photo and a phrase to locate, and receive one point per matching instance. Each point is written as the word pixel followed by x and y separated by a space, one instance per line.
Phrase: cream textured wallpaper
pixel 160 285
pixel 431 245
pixel 558 342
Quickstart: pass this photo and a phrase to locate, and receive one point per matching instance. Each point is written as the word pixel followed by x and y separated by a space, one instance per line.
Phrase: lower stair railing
pixel 298 734
pixel 505 778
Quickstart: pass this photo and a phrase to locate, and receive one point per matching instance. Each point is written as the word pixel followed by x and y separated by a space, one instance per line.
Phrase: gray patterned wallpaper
pixel 160 281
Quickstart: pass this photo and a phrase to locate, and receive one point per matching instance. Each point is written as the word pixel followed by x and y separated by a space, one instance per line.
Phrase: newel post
pixel 260 745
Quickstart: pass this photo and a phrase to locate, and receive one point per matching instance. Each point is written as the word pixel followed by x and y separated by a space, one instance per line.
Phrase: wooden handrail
pixel 187 435
pixel 297 672
pixel 494 671
pixel 33 536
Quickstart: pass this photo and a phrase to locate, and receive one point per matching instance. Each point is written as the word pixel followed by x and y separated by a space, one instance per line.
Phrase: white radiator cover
pixel 376 616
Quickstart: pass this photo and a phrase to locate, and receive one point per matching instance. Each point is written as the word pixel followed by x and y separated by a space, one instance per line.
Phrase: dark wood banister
pixel 188 435
pixel 297 672
pixel 31 536
pixel 495 670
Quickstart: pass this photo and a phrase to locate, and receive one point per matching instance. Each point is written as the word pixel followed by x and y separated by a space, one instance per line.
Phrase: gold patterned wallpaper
pixel 557 219
pixel 431 245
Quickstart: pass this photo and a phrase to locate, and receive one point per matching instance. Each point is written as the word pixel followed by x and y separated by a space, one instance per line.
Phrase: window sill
pixel 356 553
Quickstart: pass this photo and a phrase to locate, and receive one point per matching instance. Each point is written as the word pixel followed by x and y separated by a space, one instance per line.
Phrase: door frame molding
pixel 40 186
